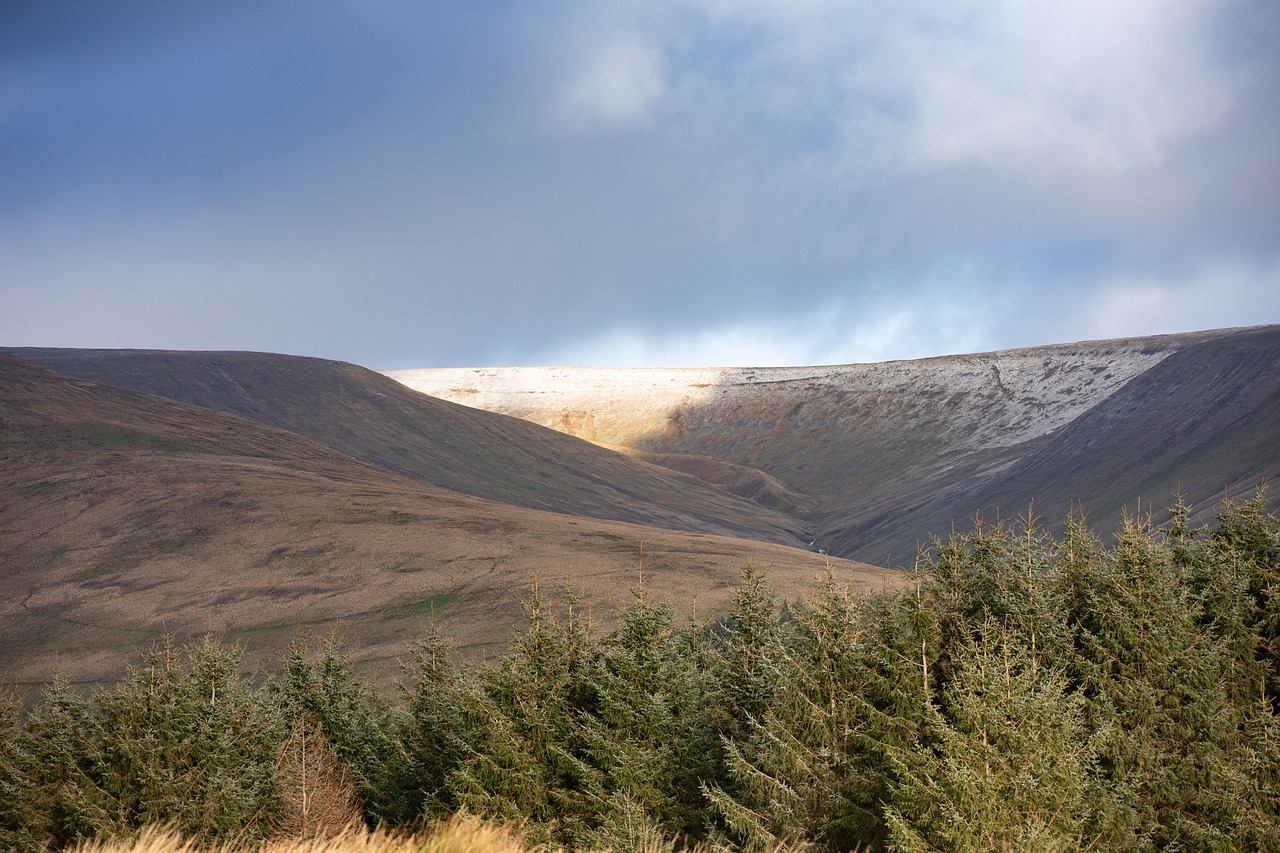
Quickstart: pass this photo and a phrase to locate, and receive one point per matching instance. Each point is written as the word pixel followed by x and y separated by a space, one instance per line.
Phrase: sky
pixel 411 183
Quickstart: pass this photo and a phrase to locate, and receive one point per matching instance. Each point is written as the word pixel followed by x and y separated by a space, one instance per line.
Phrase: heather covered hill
pixel 877 456
pixel 126 515
pixel 369 417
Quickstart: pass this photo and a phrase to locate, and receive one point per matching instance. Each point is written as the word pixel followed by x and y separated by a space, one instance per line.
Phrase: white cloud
pixel 614 83
pixel 956 307
pixel 836 333
pixel 1089 86
pixel 1218 295
pixel 1014 86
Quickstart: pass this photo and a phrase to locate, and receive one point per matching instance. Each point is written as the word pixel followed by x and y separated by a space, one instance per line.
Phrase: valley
pixel 255 495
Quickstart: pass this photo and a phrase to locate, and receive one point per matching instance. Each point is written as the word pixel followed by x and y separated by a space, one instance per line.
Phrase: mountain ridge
pixel 369 417
pixel 889 452
pixel 128 516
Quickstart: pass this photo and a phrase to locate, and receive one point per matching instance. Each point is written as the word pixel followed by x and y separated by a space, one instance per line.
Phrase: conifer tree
pixel 17 791
pixel 63 763
pixel 1244 555
pixel 433 735
pixel 1001 576
pixel 1156 679
pixel 1010 762
pixel 646 738
pixel 524 762
pixel 748 656
pixel 317 793
pixel 854 685
pixel 319 691
pixel 186 741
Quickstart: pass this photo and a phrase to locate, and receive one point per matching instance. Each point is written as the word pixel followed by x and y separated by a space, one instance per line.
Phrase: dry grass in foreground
pixel 461 834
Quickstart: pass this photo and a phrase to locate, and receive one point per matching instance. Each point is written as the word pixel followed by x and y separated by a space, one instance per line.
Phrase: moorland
pixel 1063 635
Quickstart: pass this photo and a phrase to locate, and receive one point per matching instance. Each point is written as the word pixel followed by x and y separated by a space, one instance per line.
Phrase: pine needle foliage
pixel 62 760
pixel 185 740
pixel 432 738
pixel 17 789
pixel 646 738
pixel 1010 760
pixel 524 759
pixel 319 695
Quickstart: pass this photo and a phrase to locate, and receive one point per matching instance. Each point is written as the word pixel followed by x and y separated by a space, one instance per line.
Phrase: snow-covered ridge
pixel 991 399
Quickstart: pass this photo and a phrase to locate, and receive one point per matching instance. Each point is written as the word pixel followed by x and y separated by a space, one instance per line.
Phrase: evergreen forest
pixel 1032 688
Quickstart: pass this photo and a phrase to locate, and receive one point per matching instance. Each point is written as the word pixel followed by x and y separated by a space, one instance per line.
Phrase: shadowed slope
pixel 372 418
pixel 888 453
pixel 125 515
pixel 1204 422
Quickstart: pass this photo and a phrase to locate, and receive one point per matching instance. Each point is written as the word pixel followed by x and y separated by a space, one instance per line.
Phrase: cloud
pixel 1217 295
pixel 1022 87
pixel 616 83
pixel 960 305
pixel 840 331
pixel 672 181
pixel 1091 86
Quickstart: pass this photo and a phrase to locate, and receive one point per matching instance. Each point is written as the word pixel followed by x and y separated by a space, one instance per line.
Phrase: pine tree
pixel 317 793
pixel 433 736
pixel 17 790
pixel 1001 576
pixel 1009 764
pixel 748 656
pixel 854 686
pixel 1157 681
pixel 647 739
pixel 320 692
pixel 63 762
pixel 524 763
pixel 186 741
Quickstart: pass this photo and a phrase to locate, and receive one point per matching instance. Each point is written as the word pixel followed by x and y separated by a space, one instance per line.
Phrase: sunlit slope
pixel 369 417
pixel 127 515
pixel 890 452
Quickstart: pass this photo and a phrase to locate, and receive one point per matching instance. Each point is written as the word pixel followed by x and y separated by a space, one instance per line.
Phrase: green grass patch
pixel 91 435
pixel 432 605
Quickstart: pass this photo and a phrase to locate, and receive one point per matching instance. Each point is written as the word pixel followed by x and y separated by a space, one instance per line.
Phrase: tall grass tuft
pixel 460 834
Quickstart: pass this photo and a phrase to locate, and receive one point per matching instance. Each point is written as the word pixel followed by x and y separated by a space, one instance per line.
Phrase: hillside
pixel 127 515
pixel 873 456
pixel 369 417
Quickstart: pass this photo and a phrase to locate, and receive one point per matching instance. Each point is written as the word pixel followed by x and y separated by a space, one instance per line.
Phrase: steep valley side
pixel 128 516
pixel 876 456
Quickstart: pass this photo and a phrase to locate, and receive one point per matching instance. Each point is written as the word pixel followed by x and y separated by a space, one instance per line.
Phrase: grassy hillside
pixel 878 456
pixel 126 515
pixel 372 418
pixel 1028 690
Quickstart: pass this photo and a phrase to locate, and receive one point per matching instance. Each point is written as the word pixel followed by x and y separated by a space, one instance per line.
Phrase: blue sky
pixel 661 183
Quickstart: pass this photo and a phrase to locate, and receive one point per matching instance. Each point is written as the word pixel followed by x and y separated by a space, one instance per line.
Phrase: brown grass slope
pixel 126 515
pixel 888 453
pixel 375 419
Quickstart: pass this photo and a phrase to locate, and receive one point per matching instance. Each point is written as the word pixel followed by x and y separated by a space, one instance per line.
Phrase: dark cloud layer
pixel 683 182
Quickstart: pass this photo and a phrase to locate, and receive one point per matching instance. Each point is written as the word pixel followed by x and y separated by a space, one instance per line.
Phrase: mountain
pixel 256 494
pixel 128 515
pixel 872 457
pixel 372 418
